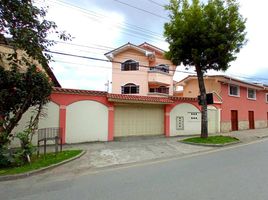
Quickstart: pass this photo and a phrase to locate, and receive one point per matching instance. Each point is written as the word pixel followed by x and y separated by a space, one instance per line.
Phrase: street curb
pixel 39 171
pixel 264 136
pixel 211 145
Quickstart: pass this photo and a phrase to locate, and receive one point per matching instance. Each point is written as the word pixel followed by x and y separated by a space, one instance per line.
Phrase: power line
pixel 156 3
pixel 141 9
pixel 124 26
pixel 144 66
pixel 104 60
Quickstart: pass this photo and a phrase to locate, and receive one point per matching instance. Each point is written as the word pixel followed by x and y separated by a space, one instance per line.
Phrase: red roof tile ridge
pixel 78 91
pixel 139 97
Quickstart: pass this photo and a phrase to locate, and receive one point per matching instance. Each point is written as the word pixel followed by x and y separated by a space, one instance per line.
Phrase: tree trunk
pixel 202 89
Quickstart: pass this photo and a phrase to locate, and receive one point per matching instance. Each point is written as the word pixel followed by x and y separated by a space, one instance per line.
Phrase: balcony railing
pixel 158 69
pixel 161 90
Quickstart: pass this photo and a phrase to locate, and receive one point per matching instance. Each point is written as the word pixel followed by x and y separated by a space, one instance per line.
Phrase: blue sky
pixel 100 25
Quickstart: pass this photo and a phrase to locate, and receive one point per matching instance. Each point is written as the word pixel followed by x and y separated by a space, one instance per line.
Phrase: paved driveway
pixel 131 150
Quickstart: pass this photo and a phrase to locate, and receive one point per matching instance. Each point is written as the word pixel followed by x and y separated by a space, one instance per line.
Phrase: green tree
pixel 205 36
pixel 22 83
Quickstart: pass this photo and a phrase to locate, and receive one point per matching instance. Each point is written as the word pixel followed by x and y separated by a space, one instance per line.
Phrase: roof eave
pixel 136 101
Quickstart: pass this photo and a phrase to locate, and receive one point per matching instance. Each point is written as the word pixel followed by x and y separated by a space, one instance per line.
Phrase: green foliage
pixel 206 35
pixel 22 83
pixel 40 162
pixel 5 157
pixel 19 92
pixel 27 148
pixel 220 139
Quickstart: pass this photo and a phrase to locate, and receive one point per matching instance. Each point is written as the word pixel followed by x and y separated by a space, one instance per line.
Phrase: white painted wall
pixel 213 120
pixel 50 119
pixel 191 120
pixel 86 121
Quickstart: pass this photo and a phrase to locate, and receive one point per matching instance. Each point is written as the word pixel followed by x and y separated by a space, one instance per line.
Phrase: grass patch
pixel 40 162
pixel 220 139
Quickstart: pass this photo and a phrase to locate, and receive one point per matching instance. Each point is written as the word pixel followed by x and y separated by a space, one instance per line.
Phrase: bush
pixel 5 158
pixel 23 155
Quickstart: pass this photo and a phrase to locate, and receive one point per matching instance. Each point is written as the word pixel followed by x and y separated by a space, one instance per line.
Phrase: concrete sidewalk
pixel 139 149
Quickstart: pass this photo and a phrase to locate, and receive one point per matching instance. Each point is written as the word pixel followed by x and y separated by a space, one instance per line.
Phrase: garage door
pixel 86 121
pixel 139 120
pixel 185 119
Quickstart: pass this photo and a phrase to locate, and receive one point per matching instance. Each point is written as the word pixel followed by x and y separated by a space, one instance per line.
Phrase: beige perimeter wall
pixel 50 119
pixel 86 121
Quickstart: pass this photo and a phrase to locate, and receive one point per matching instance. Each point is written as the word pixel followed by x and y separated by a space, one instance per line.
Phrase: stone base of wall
pixel 226 127
pixel 261 124
pixel 242 125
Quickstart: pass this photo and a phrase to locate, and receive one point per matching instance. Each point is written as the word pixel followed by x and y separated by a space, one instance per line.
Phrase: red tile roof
pixel 223 79
pixel 124 97
pixel 136 98
pixel 78 91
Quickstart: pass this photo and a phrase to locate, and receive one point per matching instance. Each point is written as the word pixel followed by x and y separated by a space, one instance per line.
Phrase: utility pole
pixel 107 85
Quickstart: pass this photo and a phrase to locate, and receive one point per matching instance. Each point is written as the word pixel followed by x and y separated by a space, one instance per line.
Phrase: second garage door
pixel 139 119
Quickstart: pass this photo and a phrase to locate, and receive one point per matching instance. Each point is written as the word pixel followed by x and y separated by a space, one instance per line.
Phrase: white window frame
pixel 255 94
pixel 238 90
pixel 266 97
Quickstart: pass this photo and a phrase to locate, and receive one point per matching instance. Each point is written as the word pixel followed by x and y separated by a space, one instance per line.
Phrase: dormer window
pixel 130 88
pixel 161 68
pixel 130 65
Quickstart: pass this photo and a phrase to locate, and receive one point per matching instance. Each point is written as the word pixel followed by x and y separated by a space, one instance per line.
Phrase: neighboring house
pixel 141 70
pixel 51 120
pixel 6 49
pixel 243 105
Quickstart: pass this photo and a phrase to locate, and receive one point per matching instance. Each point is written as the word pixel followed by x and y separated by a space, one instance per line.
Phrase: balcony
pixel 162 90
pixel 158 75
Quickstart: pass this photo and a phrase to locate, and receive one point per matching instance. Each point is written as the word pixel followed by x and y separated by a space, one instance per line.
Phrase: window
pixel 130 88
pixel 162 68
pixel 251 94
pixel 130 65
pixel 161 89
pixel 234 90
pixel 266 98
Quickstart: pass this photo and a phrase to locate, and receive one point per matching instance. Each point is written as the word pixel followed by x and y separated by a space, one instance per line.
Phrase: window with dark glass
pixel 234 90
pixel 130 65
pixel 130 88
pixel 251 93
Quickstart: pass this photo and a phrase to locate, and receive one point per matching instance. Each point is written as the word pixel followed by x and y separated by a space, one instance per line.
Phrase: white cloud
pixel 89 30
pixel 251 58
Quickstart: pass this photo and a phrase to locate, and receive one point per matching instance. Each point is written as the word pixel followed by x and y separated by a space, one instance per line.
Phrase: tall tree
pixel 205 36
pixel 23 84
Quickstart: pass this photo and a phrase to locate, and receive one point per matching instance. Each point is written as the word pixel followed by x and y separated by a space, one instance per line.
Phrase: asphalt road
pixel 239 173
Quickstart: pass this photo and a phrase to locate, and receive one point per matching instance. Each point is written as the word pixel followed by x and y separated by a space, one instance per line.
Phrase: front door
pixel 251 119
pixel 234 120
